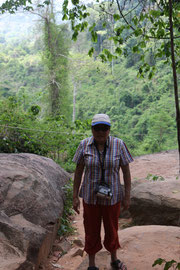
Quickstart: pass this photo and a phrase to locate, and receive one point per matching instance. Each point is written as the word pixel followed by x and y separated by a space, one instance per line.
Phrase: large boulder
pixel 31 204
pixel 156 202
pixel 141 246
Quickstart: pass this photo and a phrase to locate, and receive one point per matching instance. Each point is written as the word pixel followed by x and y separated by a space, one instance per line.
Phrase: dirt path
pixel 165 164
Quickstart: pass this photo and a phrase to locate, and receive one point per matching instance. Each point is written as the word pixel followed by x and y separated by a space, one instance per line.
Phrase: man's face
pixel 100 133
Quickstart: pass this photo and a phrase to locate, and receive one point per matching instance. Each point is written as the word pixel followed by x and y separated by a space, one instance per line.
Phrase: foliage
pixel 142 112
pixel 136 107
pixel 16 135
pixel 143 20
pixel 167 264
pixel 19 63
pixel 65 222
pixel 23 131
pixel 139 19
pixel 13 6
pixel 55 55
pixel 154 177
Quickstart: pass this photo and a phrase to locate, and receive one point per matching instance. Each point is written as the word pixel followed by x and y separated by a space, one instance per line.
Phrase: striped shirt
pixel 116 154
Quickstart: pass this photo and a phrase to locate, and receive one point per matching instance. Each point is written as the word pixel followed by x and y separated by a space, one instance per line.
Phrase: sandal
pixel 92 268
pixel 118 265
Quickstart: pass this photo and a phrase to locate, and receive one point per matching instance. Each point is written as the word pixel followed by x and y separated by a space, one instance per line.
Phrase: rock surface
pixel 156 202
pixel 31 202
pixel 141 245
pixel 136 248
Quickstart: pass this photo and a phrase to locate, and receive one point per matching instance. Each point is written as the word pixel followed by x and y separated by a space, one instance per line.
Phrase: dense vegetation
pixel 43 85
pixel 142 110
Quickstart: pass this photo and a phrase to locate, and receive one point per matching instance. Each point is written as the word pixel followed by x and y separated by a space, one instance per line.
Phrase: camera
pixel 104 192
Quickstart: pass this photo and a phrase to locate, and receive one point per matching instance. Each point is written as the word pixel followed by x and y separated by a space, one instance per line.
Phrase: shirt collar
pixel 91 141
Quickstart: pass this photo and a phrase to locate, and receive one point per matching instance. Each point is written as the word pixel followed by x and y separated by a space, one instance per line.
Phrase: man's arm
pixel 77 182
pixel 127 186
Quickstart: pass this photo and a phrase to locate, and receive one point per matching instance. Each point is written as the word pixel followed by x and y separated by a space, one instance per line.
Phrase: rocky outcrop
pixel 156 202
pixel 31 204
pixel 141 246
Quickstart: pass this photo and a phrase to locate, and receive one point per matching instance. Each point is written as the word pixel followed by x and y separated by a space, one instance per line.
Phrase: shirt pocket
pixel 90 160
pixel 116 161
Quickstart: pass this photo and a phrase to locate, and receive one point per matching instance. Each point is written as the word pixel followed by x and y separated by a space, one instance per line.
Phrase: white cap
pixel 101 119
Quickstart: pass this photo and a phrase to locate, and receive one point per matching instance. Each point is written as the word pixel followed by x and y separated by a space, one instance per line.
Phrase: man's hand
pixel 126 203
pixel 127 185
pixel 76 204
pixel 77 181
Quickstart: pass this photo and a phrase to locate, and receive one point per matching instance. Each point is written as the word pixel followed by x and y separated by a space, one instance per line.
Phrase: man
pixel 100 157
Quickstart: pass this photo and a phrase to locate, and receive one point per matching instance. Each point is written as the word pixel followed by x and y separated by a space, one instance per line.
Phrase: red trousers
pixel 93 217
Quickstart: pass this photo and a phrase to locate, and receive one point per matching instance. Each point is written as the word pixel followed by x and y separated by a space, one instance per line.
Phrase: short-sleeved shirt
pixel 117 154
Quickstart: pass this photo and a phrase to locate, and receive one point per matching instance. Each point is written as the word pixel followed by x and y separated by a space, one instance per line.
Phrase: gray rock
pixel 31 204
pixel 156 202
pixel 64 246
pixel 78 242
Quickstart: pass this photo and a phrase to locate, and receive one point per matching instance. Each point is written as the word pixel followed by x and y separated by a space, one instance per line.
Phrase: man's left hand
pixel 126 203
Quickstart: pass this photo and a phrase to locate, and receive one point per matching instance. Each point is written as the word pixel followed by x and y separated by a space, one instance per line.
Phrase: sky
pixel 10 22
pixel 59 1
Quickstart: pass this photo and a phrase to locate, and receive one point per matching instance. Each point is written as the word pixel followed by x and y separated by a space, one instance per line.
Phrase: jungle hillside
pixel 52 85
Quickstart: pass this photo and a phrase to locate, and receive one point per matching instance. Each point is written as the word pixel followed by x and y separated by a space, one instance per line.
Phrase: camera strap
pixel 101 161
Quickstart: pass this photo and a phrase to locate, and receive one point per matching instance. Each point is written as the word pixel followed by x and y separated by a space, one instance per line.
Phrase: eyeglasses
pixel 101 128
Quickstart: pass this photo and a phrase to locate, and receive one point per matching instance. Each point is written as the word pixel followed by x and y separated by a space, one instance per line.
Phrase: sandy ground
pixel 165 164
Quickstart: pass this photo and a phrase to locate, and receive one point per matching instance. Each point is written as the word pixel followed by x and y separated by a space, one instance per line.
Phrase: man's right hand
pixel 76 204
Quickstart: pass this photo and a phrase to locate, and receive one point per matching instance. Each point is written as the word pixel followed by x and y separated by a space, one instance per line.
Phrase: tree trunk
pixel 53 85
pixel 74 100
pixel 175 78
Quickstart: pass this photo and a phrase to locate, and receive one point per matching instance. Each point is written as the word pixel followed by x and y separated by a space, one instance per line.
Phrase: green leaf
pixel 108 54
pixel 158 261
pixel 46 2
pixel 138 32
pixel 65 17
pixel 142 17
pixel 91 51
pixel 135 20
pixel 169 264
pixel 142 57
pixel 103 57
pixel 94 36
pixel 142 44
pixel 135 49
pixel 150 77
pixel 104 24
pixel 155 13
pixel 116 17
pixel 151 19
pixel 75 35
pixel 118 51
pixel 160 33
pixel 75 2
pixel 92 27
pixel 83 26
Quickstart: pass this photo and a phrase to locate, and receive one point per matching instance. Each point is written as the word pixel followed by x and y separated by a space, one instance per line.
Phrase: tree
pixel 145 20
pixel 55 51
pixel 55 46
